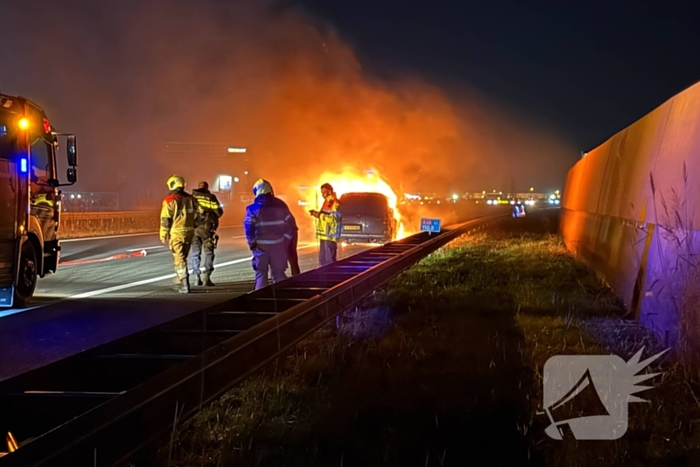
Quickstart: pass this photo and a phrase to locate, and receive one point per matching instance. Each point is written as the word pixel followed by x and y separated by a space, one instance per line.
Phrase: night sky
pixel 459 95
pixel 586 69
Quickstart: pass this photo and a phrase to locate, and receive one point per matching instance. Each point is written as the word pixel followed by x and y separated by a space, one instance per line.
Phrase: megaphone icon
pixel 582 400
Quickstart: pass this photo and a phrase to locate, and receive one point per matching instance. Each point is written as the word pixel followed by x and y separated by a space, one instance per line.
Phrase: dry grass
pixel 443 367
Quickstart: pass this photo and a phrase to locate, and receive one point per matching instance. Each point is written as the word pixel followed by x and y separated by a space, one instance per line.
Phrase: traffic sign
pixel 430 225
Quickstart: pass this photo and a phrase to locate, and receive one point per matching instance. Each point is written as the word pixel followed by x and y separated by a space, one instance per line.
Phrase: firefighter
pixel 177 227
pixel 292 255
pixel 205 237
pixel 269 228
pixel 328 225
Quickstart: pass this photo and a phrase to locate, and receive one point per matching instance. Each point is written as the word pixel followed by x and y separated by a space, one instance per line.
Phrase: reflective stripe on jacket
pixel 208 214
pixel 328 222
pixel 268 221
pixel 177 213
pixel 208 202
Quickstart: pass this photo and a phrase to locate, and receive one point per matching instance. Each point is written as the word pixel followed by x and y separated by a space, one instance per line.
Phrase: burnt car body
pixel 366 218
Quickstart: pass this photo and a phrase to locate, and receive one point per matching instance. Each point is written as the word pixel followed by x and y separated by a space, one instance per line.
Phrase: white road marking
pixel 13 311
pixel 95 293
pixel 147 248
pixel 107 237
pixel 86 239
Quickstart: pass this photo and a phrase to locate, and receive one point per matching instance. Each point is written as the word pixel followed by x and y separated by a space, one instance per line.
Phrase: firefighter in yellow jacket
pixel 328 225
pixel 177 226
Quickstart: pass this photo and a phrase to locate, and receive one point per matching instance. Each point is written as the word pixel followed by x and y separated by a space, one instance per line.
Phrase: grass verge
pixel 443 367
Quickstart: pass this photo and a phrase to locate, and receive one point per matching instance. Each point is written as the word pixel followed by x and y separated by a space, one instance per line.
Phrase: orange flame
pixel 354 181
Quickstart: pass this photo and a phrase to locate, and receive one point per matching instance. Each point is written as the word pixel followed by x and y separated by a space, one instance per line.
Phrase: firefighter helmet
pixel 176 181
pixel 262 187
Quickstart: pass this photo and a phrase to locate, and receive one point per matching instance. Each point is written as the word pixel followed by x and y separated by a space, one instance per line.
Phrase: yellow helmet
pixel 262 187
pixel 176 181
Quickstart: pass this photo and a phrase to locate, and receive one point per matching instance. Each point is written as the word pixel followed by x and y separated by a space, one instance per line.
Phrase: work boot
pixel 198 281
pixel 184 285
pixel 207 280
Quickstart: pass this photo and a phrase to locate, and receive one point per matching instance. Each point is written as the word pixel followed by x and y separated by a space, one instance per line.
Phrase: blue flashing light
pixel 3 130
pixel 23 165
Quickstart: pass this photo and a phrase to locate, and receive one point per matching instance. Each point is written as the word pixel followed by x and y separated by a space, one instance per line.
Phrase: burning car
pixel 367 218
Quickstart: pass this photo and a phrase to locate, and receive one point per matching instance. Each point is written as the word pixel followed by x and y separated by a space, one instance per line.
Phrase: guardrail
pixel 107 405
pixel 93 224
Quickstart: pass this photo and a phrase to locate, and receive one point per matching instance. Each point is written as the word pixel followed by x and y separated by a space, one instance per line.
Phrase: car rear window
pixel 363 203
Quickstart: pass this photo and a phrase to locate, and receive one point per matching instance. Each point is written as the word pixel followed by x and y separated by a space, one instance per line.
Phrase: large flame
pixel 354 181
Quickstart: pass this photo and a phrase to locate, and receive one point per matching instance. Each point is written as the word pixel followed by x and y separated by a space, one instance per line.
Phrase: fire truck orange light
pixel 23 123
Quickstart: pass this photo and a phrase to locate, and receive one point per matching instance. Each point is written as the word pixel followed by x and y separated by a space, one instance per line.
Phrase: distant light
pixel 3 130
pixel 224 182
pixel 245 173
pixel 532 189
pixel 236 150
pixel 236 179
pixel 23 165
pixel 23 123
pixel 455 197
pixel 79 196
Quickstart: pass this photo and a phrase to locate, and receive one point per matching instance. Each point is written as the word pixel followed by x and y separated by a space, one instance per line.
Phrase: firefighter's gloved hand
pixel 253 245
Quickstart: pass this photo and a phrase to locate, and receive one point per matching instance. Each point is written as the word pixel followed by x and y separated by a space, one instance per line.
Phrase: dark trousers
pixel 272 259
pixel 328 252
pixel 200 245
pixel 293 256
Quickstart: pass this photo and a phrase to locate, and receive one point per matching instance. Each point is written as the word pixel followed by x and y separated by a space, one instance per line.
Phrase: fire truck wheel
pixel 28 273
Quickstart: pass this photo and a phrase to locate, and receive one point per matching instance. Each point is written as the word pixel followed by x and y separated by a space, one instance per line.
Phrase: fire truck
pixel 30 198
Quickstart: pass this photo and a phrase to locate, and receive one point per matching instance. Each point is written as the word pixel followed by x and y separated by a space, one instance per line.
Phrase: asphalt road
pixel 110 287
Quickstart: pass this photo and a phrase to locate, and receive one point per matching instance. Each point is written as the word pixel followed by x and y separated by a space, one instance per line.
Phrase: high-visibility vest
pixel 328 222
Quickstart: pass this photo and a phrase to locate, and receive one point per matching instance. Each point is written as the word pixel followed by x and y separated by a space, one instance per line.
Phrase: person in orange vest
pixel 328 225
